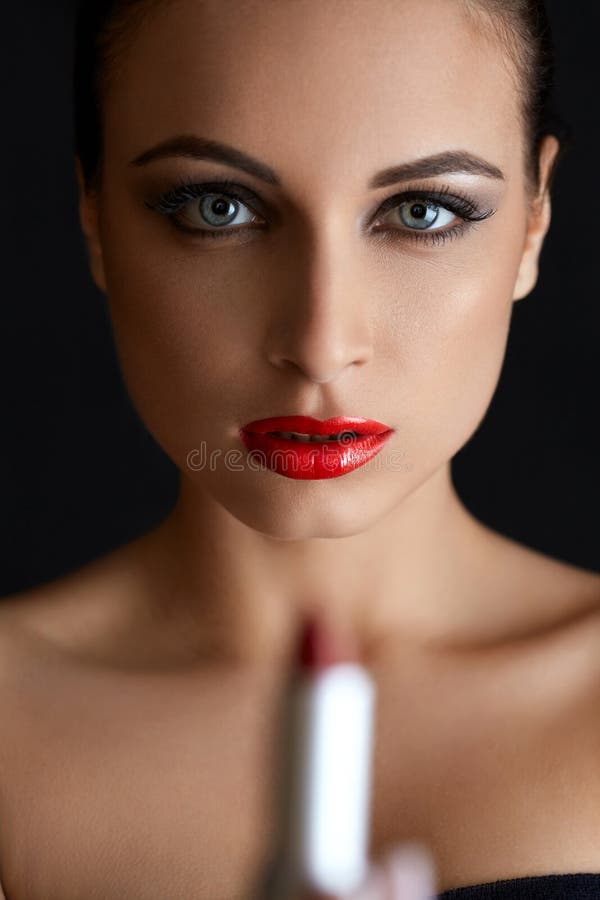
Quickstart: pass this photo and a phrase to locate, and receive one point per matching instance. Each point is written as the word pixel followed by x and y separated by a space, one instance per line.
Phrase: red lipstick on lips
pixel 352 443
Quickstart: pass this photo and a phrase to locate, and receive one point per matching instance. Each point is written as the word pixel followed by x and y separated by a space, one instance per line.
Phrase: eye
pixel 421 215
pixel 208 210
pixel 216 211
pixel 413 214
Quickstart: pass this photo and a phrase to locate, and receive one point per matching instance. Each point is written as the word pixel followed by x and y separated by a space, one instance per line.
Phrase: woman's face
pixel 330 303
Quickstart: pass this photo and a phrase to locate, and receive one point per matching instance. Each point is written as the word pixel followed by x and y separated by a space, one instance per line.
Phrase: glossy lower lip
pixel 306 460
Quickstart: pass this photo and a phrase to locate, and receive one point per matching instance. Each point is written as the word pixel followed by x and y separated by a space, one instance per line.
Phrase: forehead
pixel 352 84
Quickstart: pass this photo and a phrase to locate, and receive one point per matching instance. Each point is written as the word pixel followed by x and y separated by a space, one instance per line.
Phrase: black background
pixel 79 473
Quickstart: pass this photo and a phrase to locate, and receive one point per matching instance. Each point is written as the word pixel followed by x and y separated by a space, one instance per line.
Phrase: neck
pixel 235 593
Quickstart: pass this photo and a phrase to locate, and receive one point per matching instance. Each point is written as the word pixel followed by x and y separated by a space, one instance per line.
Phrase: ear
pixel 538 221
pixel 88 217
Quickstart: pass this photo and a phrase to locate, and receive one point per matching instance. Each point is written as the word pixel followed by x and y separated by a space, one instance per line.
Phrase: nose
pixel 324 325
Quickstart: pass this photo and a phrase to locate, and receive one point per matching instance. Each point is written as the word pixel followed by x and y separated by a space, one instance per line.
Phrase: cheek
pixel 449 336
pixel 183 334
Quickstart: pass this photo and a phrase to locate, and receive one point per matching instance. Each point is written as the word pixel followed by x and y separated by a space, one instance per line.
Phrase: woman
pixel 321 210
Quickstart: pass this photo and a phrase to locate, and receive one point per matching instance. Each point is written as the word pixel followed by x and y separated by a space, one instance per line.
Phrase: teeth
pixel 321 438
pixel 313 438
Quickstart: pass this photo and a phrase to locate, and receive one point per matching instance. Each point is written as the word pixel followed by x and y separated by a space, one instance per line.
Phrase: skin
pixel 317 314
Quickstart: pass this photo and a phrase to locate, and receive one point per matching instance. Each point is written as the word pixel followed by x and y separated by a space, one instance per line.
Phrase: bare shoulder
pixel 553 607
pixel 46 632
pixel 538 590
pixel 83 610
pixel 38 628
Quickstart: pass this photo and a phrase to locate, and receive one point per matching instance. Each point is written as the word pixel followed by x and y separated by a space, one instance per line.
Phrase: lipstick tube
pixel 324 791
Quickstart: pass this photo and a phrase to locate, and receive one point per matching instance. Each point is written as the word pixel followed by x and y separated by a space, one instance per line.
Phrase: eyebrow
pixel 194 147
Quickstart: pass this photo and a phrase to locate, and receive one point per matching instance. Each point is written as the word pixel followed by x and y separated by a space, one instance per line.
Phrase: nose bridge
pixel 322 322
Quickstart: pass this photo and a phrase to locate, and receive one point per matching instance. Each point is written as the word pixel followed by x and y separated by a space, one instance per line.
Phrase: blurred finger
pixel 410 870
pixel 375 887
pixel 406 873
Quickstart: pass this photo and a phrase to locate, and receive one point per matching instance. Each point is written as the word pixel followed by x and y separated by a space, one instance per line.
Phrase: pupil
pixel 418 211
pixel 220 207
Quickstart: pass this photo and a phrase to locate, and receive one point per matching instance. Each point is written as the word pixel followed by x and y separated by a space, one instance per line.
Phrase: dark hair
pixel 524 30
pixel 104 28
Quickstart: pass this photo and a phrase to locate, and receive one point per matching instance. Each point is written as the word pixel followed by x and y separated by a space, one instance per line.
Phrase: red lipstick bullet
pixel 325 785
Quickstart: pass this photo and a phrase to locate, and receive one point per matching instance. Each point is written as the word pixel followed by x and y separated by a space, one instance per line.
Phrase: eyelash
pixel 175 199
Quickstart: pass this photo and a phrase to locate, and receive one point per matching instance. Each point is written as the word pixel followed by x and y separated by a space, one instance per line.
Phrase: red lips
pixel 302 459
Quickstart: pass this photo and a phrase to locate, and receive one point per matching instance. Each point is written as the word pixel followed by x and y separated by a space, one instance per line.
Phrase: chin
pixel 296 510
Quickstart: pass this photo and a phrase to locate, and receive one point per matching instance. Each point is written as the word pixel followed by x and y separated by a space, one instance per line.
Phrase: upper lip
pixel 308 425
